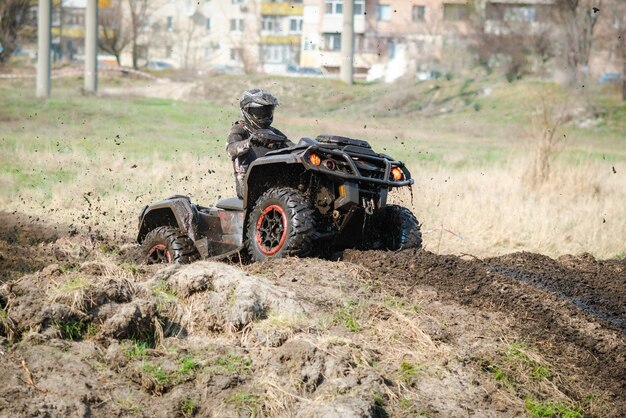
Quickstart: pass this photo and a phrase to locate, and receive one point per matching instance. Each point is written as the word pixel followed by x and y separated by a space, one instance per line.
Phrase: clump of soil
pixel 402 334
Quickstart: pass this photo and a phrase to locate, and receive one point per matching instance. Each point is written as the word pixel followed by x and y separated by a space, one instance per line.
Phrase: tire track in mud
pixel 575 307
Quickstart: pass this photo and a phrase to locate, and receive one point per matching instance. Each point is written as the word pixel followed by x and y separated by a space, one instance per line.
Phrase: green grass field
pixel 95 161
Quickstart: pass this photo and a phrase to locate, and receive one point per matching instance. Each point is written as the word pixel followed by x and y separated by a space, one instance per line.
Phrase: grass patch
pixel 231 364
pixel 161 290
pixel 246 402
pixel 188 408
pixel 409 371
pixel 620 256
pixel 501 376
pixel 188 366
pixel 73 292
pixel 138 348
pixel 7 326
pixel 156 373
pixel 132 267
pixel 522 354
pixel 73 330
pixel 393 302
pixel 348 315
pixel 549 409
pixel 129 406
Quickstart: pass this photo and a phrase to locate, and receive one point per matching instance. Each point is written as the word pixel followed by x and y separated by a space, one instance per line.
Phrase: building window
pixel 234 54
pixel 295 25
pixel 455 11
pixel 419 13
pixel 207 24
pixel 360 43
pixel 276 54
pixel 391 49
pixel 207 54
pixel 270 24
pixel 267 24
pixel 383 12
pixel 520 14
pixel 237 1
pixel 236 25
pixel 359 7
pixel 332 41
pixel 170 23
pixel 334 7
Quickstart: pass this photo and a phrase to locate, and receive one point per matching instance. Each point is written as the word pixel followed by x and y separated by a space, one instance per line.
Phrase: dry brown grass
pixel 491 211
pixel 479 207
pixel 483 211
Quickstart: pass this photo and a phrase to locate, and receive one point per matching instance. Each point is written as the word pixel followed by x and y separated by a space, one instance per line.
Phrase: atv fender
pixel 176 211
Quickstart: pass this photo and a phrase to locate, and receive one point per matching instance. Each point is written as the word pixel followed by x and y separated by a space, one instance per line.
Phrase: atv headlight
pixel 397 174
pixel 315 160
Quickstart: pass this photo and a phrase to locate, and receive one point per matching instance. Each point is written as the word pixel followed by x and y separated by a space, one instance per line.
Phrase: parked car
pixel 610 77
pixel 159 65
pixel 304 71
pixel 226 69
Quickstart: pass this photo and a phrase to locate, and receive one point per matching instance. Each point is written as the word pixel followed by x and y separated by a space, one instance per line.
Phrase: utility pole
pixel 44 27
pixel 91 46
pixel 347 43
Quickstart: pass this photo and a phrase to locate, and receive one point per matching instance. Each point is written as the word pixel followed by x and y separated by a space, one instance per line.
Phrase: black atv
pixel 318 196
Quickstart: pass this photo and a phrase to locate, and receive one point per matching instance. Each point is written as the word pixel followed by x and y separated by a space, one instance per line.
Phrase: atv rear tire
pixel 282 223
pixel 167 244
pixel 397 228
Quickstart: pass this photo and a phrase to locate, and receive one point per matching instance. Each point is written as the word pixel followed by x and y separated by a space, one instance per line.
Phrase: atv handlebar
pixel 267 136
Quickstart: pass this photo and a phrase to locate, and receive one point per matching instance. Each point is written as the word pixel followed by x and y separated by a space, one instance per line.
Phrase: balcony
pixel 280 39
pixel 334 23
pixel 281 9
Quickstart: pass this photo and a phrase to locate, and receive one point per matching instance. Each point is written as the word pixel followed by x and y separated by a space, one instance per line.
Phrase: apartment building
pixel 202 34
pixel 228 35
pixel 280 36
pixel 391 36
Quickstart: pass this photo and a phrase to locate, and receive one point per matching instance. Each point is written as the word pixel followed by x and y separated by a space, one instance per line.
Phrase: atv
pixel 310 199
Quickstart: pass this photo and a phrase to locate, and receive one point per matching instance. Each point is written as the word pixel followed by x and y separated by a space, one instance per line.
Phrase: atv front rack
pixel 357 174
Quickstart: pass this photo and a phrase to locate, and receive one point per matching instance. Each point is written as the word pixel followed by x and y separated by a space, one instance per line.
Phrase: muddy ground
pixel 84 331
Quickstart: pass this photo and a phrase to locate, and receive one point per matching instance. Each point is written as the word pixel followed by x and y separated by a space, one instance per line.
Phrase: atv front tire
pixel 397 228
pixel 167 244
pixel 282 223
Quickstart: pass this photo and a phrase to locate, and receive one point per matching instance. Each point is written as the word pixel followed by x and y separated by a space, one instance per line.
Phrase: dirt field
pixel 85 331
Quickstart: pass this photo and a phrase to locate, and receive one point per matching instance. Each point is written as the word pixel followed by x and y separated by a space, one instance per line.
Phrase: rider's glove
pixel 259 141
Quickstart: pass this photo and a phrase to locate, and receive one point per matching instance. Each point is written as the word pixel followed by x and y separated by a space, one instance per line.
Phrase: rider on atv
pixel 244 145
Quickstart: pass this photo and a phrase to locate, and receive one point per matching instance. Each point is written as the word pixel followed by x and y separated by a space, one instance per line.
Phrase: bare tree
pixel 619 13
pixel 193 22
pixel 12 17
pixel 114 37
pixel 515 44
pixel 139 16
pixel 578 20
pixel 500 45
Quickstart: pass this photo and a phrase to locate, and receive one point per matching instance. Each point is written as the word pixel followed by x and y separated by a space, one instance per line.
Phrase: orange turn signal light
pixel 315 159
pixel 397 174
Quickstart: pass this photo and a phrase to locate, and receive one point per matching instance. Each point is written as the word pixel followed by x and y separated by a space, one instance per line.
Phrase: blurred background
pixel 510 114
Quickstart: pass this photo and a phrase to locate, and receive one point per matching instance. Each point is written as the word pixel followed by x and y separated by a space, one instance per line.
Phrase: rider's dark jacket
pixel 242 151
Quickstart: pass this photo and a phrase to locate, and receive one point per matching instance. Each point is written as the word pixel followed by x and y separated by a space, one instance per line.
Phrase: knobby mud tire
pixel 398 228
pixel 176 246
pixel 300 235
